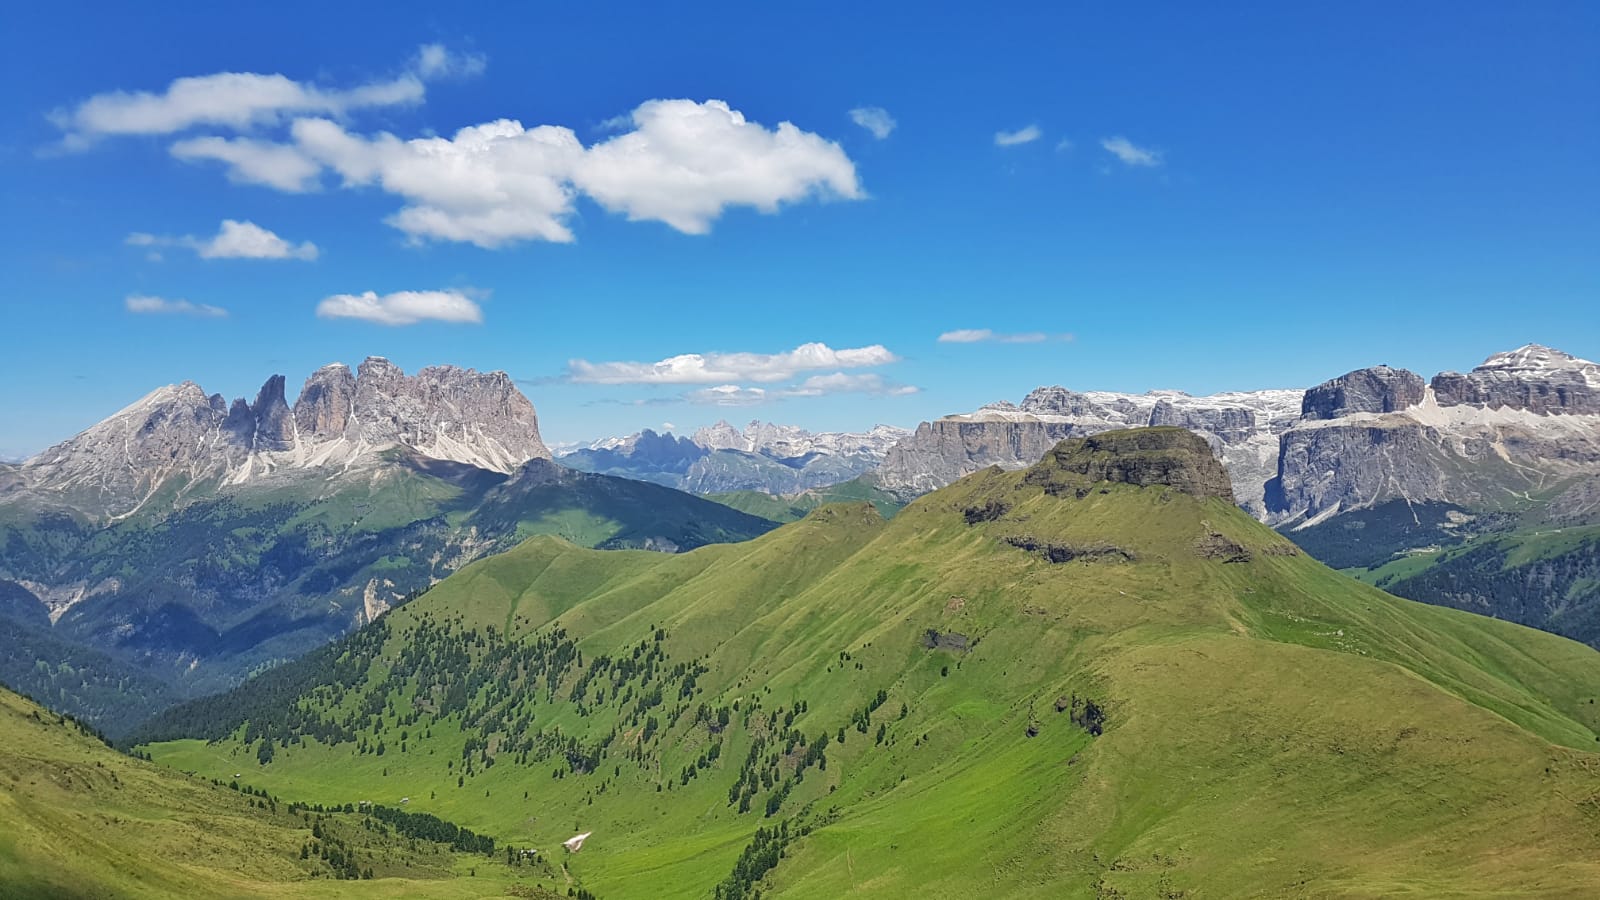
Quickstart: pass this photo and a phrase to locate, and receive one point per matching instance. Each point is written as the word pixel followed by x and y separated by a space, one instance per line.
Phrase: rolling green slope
pixel 1029 684
pixel 79 820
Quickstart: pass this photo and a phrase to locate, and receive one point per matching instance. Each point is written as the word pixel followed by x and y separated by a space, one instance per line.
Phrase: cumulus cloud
pixel 235 240
pixel 1021 136
pixel 402 307
pixel 145 304
pixel 240 101
pixel 683 163
pixel 875 119
pixel 981 335
pixel 1130 153
pixel 711 368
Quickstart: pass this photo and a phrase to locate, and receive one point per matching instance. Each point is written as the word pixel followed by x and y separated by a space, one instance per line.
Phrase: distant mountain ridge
pixel 1242 428
pixel 765 457
pixel 178 437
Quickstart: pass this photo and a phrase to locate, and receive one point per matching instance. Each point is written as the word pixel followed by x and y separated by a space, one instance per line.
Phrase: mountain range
pixel 185 541
pixel 1050 682
pixel 764 457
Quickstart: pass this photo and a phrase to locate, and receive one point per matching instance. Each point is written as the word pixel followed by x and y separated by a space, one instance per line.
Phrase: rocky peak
pixel 274 424
pixel 1143 457
pixel 1058 401
pixel 1378 389
pixel 1532 377
pixel 326 402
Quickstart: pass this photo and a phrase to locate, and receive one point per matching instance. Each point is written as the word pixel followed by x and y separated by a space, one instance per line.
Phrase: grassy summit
pixel 1095 677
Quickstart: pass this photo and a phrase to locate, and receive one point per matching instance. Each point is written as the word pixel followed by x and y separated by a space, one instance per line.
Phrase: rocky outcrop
pixel 177 439
pixel 1533 378
pixel 1379 389
pixel 1143 457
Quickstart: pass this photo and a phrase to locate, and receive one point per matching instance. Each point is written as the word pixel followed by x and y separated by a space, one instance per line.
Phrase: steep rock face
pixel 1143 457
pixel 1533 377
pixel 274 423
pixel 326 402
pixel 1522 422
pixel 446 412
pixel 1379 389
pixel 176 439
pixel 1241 428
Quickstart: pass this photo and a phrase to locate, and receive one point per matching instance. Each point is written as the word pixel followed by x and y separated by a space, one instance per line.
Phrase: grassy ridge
pixel 1272 727
pixel 79 820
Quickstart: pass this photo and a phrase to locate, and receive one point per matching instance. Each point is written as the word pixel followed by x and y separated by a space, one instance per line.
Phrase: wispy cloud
pixel 1025 135
pixel 240 101
pixel 145 304
pixel 234 240
pixel 815 386
pixel 1130 153
pixel 714 368
pixel 402 307
pixel 875 119
pixel 250 161
pixel 985 335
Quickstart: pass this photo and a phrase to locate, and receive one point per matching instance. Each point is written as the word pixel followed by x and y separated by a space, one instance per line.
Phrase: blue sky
pixel 1201 199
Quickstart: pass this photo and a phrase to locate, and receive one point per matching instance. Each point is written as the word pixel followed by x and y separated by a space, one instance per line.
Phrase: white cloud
pixel 247 240
pixel 683 163
pixel 1129 153
pixel 815 386
pixel 240 101
pixel 402 307
pixel 235 240
pixel 251 161
pixel 438 61
pixel 1021 136
pixel 728 395
pixel 1064 145
pixel 843 383
pixel 145 304
pixel 981 335
pixel 875 119
pixel 710 368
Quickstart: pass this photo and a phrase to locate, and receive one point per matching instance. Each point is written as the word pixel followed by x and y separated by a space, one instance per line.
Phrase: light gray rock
pixel 1533 377
pixel 177 440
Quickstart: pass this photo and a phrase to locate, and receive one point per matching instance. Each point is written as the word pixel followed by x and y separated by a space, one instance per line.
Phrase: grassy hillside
pixel 1024 685
pixel 79 820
